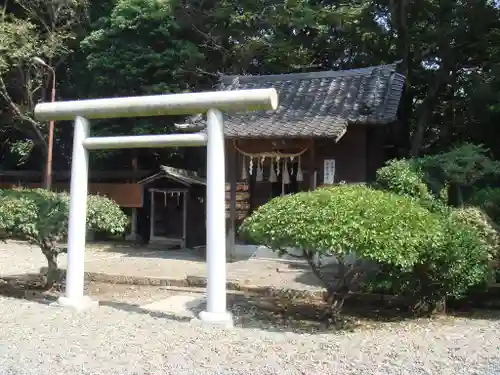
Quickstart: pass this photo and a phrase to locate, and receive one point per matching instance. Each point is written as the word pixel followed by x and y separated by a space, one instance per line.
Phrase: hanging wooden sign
pixel 329 172
pixel 242 200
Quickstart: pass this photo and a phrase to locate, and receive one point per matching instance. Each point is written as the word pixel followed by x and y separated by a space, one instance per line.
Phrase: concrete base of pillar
pixel 223 320
pixel 82 304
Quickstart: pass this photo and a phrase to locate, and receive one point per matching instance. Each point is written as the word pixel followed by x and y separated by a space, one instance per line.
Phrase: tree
pixel 140 48
pixel 462 169
pixel 33 28
pixel 343 221
pixel 411 251
pixel 41 217
pixel 445 175
pixel 440 45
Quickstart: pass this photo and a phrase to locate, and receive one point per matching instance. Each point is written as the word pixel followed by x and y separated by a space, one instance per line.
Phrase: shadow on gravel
pixel 480 314
pixel 30 287
pixel 278 314
pixel 138 310
pixel 269 313
pixel 301 315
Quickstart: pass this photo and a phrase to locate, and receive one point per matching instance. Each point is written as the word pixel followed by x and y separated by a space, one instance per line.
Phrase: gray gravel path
pixel 18 258
pixel 40 339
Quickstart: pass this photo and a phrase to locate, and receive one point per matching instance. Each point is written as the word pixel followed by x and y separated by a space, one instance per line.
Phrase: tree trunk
pixel 400 14
pixel 422 125
pixel 52 270
pixel 425 110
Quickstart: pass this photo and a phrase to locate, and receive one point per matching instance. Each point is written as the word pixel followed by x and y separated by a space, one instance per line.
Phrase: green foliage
pixel 276 36
pixel 375 225
pixel 41 217
pixel 38 216
pixel 342 220
pixel 422 255
pixel 18 44
pixel 431 178
pixel 488 199
pixel 105 216
pixel 457 257
pixel 403 177
pixel 460 263
pixel 21 150
pixel 146 46
pixel 475 219
pixel 32 28
pixel 142 43
pixel 464 165
pixel 457 260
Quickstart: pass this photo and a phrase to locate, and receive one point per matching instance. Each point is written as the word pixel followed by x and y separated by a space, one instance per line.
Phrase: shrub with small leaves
pixel 105 216
pixel 456 260
pixel 346 219
pixel 488 200
pixel 475 219
pixel 41 217
pixel 403 177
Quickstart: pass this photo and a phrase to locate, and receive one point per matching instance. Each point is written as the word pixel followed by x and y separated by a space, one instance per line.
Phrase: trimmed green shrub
pixel 41 217
pixel 343 220
pixel 105 216
pixel 422 255
pixel 457 261
pixel 475 219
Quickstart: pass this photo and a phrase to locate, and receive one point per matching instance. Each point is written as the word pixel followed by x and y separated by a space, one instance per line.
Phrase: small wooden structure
pixel 173 210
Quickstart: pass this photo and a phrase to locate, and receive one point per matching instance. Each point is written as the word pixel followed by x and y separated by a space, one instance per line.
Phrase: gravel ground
pixel 19 258
pixel 41 339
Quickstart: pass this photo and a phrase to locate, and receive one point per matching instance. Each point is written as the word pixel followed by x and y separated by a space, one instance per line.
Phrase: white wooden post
pixel 77 221
pixel 216 223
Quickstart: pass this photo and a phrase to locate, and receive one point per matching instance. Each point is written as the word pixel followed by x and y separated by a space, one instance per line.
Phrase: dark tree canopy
pixel 448 50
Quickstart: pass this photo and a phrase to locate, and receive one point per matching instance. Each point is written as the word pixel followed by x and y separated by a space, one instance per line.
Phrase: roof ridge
pixel 226 79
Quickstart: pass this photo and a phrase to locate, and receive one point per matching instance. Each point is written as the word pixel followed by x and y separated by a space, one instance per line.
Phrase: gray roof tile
pixel 319 104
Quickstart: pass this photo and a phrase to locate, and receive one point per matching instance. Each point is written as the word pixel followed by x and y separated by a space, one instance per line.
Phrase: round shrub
pixel 344 219
pixel 459 263
pixel 404 177
pixel 41 217
pixel 105 216
pixel 423 255
pixel 456 260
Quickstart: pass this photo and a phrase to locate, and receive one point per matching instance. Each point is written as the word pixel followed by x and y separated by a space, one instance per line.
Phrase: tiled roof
pixel 182 176
pixel 318 104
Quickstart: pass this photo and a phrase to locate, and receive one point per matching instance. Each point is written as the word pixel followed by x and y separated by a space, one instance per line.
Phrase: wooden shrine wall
pixel 242 201
pixel 125 195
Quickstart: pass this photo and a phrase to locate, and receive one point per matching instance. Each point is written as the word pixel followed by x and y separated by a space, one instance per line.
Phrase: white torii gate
pixel 180 104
